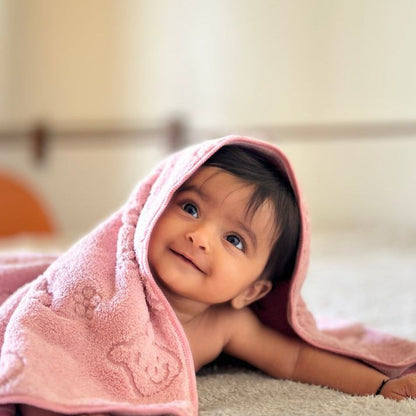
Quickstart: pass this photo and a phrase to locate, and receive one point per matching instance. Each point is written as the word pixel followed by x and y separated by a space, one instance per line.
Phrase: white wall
pixel 4 59
pixel 65 68
pixel 359 184
pixel 223 64
pixel 247 62
pixel 65 61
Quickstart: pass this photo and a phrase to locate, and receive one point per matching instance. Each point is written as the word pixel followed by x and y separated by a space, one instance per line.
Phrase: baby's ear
pixel 254 292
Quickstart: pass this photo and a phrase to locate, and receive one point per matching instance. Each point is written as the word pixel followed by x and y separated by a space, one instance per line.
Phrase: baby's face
pixel 203 247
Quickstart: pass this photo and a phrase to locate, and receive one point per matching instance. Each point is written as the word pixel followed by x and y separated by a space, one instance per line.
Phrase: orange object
pixel 21 210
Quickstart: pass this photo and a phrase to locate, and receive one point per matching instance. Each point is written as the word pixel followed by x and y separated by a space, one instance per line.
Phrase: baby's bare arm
pixel 288 358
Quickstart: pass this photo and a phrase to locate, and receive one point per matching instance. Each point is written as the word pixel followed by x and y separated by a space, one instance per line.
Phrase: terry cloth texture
pixel 91 332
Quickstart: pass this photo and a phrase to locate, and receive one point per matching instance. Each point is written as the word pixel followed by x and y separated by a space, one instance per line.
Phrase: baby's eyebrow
pixel 251 234
pixel 193 188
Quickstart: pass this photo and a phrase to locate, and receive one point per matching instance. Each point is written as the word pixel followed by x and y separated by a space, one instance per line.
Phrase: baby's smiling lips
pixel 188 259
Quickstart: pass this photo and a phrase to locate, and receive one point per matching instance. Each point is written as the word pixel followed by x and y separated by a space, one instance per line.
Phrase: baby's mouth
pixel 187 260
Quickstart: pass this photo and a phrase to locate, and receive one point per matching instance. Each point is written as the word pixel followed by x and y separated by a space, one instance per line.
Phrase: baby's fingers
pixel 400 388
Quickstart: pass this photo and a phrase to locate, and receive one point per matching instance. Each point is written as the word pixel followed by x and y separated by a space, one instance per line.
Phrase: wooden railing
pixel 177 133
pixel 39 137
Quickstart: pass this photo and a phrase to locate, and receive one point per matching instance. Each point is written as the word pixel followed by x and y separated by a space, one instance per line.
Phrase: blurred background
pixel 93 93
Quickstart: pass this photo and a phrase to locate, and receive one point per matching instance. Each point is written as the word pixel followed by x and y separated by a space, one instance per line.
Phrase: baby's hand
pixel 400 388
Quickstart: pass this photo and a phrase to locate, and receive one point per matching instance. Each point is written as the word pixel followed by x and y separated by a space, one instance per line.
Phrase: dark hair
pixel 272 184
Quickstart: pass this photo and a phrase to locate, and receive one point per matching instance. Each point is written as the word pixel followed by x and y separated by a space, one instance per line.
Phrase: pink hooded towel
pixel 91 332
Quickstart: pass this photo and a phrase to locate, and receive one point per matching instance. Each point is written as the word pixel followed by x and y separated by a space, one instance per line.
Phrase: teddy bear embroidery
pixel 86 301
pixel 150 366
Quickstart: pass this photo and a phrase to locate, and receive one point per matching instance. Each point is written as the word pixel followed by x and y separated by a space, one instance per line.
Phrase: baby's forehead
pixel 209 179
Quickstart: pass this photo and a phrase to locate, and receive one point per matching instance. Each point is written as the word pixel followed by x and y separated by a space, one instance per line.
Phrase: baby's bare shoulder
pixel 208 334
pixel 229 320
pixel 215 328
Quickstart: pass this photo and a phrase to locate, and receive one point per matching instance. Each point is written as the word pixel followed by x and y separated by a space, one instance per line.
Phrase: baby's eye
pixel 190 209
pixel 236 241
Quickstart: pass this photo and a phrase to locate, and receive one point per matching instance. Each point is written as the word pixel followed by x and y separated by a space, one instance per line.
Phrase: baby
pixel 229 233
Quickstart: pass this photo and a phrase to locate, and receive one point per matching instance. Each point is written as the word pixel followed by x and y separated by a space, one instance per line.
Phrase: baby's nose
pixel 200 237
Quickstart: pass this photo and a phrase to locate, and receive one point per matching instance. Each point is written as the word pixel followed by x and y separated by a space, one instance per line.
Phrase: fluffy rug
pixel 242 392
